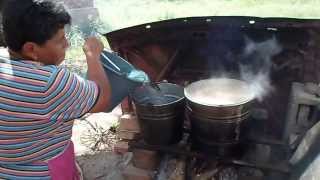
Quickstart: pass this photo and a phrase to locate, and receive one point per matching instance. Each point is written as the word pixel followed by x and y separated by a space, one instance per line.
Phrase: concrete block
pixel 121 147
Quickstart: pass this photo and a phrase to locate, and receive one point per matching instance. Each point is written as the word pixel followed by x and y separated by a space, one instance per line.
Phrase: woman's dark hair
pixel 32 21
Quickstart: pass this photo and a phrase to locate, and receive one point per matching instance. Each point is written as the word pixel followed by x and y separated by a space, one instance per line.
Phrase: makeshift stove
pixel 278 57
pixel 262 159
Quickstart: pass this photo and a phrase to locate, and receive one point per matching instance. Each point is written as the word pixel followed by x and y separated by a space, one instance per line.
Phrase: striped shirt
pixel 38 105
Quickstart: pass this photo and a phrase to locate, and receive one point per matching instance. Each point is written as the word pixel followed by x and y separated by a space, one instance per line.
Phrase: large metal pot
pixel 160 113
pixel 217 109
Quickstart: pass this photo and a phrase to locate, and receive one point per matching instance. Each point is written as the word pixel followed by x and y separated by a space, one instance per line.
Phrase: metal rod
pixel 168 66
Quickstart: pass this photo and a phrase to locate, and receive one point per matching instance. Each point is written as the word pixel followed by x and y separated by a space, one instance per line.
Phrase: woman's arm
pixel 92 49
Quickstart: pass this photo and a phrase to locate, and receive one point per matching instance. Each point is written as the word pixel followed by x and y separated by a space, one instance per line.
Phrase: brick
pixel 127 135
pixel 121 147
pixel 133 173
pixel 129 122
pixel 145 159
pixel 126 106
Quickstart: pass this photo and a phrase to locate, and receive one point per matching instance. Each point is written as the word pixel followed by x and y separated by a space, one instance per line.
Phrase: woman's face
pixel 54 50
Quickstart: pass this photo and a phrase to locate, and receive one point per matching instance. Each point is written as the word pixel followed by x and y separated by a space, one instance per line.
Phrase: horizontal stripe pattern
pixel 37 107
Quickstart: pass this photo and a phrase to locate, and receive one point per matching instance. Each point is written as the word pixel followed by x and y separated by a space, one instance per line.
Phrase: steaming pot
pixel 217 109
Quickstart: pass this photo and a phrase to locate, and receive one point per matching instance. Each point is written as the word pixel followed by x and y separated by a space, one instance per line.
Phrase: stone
pixel 145 159
pixel 102 165
pixel 133 173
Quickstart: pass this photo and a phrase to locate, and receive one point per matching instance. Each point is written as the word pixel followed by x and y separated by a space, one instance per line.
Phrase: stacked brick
pixel 144 163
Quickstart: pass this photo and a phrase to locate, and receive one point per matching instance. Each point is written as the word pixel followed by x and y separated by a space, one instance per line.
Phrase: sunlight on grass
pixel 125 13
pixel 75 57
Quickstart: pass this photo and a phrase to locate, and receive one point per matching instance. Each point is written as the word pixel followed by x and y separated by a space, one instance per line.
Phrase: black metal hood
pixel 188 49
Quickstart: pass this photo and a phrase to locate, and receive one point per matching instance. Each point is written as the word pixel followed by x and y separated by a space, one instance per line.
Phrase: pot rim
pixel 189 97
pixel 158 105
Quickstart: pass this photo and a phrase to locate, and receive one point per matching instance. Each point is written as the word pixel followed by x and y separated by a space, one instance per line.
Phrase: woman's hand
pixel 92 47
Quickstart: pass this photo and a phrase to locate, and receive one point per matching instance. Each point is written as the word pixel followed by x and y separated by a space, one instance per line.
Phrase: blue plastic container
pixel 118 70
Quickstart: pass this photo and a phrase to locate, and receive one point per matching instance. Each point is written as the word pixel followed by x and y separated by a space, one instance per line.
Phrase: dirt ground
pixel 103 165
pixel 93 147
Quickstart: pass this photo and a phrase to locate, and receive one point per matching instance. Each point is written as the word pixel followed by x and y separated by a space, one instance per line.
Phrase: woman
pixel 40 100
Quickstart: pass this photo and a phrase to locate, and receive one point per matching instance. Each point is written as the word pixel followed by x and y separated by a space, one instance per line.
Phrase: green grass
pixel 118 14
pixel 75 58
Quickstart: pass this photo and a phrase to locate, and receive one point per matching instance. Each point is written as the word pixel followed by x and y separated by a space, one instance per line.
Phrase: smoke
pixel 256 63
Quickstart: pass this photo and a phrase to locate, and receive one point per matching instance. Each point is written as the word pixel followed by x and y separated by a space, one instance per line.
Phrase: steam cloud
pixel 255 65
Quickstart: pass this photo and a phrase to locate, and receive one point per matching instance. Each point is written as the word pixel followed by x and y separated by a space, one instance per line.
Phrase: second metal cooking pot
pixel 160 112
pixel 217 109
